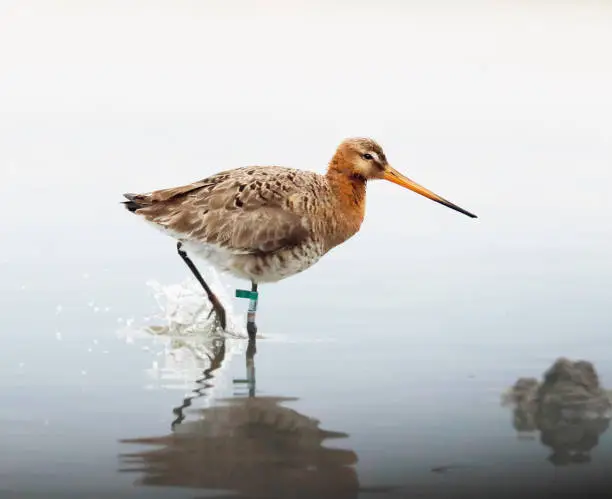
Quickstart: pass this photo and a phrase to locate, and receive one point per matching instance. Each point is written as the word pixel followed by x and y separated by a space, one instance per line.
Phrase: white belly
pixel 267 268
pixel 257 268
pixel 218 257
pixel 213 254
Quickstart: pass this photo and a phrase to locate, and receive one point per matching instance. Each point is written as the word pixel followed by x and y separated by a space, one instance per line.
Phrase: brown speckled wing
pixel 246 210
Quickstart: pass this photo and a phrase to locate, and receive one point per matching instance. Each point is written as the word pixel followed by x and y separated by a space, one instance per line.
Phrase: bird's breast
pixel 278 265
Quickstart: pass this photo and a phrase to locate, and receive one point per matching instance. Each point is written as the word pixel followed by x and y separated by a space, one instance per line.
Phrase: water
pixel 381 370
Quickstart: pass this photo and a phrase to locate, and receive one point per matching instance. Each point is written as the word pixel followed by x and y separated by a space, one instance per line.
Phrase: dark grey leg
pixel 250 365
pixel 251 326
pixel 216 304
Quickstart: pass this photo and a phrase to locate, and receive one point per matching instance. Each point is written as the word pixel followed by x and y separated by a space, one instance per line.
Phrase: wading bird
pixel 266 223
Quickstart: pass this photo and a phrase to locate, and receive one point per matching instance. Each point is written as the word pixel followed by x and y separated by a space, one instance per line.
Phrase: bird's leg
pixel 251 326
pixel 250 365
pixel 216 304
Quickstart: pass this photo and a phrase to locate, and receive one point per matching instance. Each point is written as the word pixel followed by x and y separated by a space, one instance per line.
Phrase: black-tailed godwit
pixel 266 223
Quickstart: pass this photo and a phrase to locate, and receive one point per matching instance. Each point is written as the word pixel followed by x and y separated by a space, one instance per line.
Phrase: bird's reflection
pixel 251 445
pixel 568 407
pixel 204 382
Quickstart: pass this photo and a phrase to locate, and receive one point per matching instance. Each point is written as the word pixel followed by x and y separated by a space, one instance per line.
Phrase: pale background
pixel 426 315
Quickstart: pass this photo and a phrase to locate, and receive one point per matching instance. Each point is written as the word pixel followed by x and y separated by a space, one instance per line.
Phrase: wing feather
pixel 246 210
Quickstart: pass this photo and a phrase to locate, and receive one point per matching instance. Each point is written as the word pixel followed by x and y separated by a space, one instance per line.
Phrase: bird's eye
pixel 367 156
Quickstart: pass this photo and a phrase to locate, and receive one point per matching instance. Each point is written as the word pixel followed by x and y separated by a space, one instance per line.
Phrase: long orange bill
pixel 392 175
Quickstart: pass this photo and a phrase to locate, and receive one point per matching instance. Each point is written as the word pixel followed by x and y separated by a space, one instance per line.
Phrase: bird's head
pixel 364 159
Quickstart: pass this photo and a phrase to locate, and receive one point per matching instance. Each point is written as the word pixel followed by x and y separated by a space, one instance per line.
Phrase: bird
pixel 265 223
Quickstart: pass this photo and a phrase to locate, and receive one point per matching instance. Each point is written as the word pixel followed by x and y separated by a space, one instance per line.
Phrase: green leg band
pixel 253 297
pixel 252 310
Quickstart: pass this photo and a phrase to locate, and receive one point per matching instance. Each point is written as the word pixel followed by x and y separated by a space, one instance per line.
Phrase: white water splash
pixel 186 309
pixel 186 338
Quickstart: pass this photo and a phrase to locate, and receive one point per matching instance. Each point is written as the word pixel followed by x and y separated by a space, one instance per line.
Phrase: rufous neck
pixel 350 189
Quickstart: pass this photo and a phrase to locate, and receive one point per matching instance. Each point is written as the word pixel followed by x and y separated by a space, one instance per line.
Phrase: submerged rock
pixel 568 407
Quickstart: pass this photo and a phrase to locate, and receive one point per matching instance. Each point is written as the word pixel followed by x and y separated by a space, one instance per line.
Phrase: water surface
pixel 379 372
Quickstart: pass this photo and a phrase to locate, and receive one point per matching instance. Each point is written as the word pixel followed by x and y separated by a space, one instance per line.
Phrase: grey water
pixel 379 372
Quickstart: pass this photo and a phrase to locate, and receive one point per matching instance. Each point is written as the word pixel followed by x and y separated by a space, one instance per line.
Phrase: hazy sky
pixel 431 60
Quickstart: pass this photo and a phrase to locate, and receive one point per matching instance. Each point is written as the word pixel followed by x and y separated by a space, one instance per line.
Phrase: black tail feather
pixel 131 205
